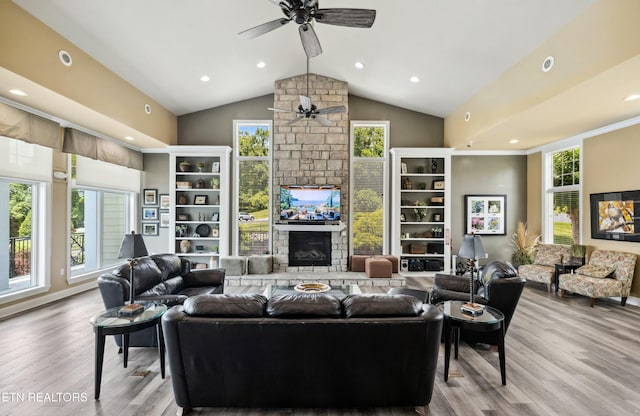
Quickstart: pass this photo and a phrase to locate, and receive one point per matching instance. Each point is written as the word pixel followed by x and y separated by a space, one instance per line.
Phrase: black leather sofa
pixel 302 351
pixel 160 278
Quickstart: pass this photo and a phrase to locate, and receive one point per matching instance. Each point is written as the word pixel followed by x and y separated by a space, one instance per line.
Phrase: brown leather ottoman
pixel 395 263
pixel 377 267
pixel 356 262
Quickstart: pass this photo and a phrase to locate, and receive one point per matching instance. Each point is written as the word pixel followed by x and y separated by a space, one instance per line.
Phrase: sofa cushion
pixel 246 306
pixel 298 305
pixel 547 255
pixel 593 270
pixel 169 264
pixel 146 275
pixel 375 304
pixel 201 290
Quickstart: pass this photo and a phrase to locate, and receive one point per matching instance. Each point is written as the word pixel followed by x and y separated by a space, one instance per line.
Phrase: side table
pixel 110 323
pixel 563 269
pixel 455 320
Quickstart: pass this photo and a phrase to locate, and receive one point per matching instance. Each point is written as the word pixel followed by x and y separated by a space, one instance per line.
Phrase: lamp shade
pixel 132 246
pixel 472 247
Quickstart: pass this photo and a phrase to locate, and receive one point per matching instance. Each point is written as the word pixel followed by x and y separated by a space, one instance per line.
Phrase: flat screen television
pixel 309 203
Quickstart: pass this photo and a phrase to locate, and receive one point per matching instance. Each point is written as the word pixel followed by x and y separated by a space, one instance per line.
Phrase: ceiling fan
pixel 306 110
pixel 304 13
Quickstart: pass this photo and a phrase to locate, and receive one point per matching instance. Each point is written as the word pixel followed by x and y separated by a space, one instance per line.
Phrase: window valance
pixel 22 125
pixel 83 144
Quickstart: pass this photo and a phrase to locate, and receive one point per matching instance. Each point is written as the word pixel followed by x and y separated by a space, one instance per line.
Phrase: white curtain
pixel 22 160
pixel 97 174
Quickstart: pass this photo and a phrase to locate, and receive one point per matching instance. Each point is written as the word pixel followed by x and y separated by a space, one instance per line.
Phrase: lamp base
pixel 132 309
pixel 473 309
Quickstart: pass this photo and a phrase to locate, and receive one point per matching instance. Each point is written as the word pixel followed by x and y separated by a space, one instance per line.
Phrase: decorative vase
pixel 185 166
pixel 434 165
pixel 200 184
pixel 185 246
pixel 182 200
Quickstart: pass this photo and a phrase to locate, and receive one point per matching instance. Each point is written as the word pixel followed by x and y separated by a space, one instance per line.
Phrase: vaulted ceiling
pixel 480 59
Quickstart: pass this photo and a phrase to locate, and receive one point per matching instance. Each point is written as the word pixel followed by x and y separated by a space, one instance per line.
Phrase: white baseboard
pixel 22 306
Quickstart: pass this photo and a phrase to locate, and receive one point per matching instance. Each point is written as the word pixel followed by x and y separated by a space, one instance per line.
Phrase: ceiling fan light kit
pixel 305 13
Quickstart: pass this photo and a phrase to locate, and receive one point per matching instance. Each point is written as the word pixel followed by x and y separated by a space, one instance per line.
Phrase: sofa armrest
pixel 204 277
pixel 114 290
pixel 454 283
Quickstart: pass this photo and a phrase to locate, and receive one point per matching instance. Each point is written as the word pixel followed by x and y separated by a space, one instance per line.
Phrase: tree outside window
pixel 566 196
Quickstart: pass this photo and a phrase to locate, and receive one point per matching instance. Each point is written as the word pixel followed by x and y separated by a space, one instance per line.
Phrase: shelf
pixel 197 174
pixel 198 222
pixel 198 238
pixel 197 206
pixel 196 189
pixel 422 255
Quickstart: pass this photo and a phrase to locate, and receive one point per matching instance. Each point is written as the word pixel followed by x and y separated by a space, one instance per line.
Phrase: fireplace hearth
pixel 309 248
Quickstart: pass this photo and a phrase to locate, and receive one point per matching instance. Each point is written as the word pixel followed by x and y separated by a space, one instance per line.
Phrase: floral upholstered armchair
pixel 608 274
pixel 543 268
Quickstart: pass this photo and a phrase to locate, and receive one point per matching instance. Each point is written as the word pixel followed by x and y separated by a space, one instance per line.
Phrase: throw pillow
pixel 599 272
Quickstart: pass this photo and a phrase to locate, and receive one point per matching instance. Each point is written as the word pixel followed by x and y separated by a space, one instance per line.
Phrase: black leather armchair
pixel 159 278
pixel 498 286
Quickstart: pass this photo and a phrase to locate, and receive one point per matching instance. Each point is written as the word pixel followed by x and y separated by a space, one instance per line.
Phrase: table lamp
pixel 131 248
pixel 471 250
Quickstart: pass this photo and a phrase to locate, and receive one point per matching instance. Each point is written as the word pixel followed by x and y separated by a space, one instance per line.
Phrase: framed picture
pixel 485 214
pixel 150 197
pixel 149 228
pixel 164 219
pixel 200 200
pixel 215 167
pixel 403 167
pixel 149 214
pixel 403 217
pixel 613 216
pixel 164 201
pixel 215 232
pixel 438 184
pixel 215 216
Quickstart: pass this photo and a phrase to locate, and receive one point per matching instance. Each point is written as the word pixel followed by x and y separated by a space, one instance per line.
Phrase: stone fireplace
pixel 307 153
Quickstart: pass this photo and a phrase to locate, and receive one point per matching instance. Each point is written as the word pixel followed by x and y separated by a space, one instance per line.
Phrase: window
pixel 252 141
pixel 99 217
pixel 25 173
pixel 368 187
pixel 563 197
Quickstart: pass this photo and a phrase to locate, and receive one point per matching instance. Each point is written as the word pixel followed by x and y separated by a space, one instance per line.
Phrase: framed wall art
pixel 150 197
pixel 200 200
pixel 164 219
pixel 485 214
pixel 149 228
pixel 613 216
pixel 164 201
pixel 149 214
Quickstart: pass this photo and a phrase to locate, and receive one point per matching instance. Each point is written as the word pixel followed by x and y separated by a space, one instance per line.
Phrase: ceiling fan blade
pixel 346 17
pixel 305 102
pixel 322 120
pixel 263 28
pixel 332 110
pixel 295 120
pixel 280 110
pixel 310 41
pixel 309 3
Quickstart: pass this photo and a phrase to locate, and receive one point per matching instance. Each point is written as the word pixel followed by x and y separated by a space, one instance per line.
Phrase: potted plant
pixel 215 183
pixel 523 243
pixel 420 213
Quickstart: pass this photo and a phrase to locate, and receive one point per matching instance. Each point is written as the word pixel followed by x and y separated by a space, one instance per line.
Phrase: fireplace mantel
pixel 310 227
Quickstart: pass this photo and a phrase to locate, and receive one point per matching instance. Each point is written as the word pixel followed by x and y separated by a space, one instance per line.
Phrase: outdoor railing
pixel 20 254
pixel 255 240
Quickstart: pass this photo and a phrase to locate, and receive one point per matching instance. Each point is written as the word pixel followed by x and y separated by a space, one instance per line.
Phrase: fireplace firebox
pixel 309 248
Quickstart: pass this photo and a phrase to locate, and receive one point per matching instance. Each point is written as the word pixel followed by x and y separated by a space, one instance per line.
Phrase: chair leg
pixel 592 301
pixel 623 301
pixel 562 292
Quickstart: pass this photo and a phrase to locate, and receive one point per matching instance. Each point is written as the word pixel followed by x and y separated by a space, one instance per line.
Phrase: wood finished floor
pixel 563 358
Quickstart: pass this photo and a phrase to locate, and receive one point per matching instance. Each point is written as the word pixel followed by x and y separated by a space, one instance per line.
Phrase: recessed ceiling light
pixel 204 78
pixel 414 79
pixel 129 138
pixel 359 65
pixel 632 97
pixel 18 92
pixel 547 64
pixel 147 108
pixel 467 116
pixel 514 141
pixel 261 64
pixel 65 58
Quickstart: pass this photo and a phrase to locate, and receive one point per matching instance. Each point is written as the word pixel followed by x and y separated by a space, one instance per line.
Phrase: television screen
pixel 309 203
